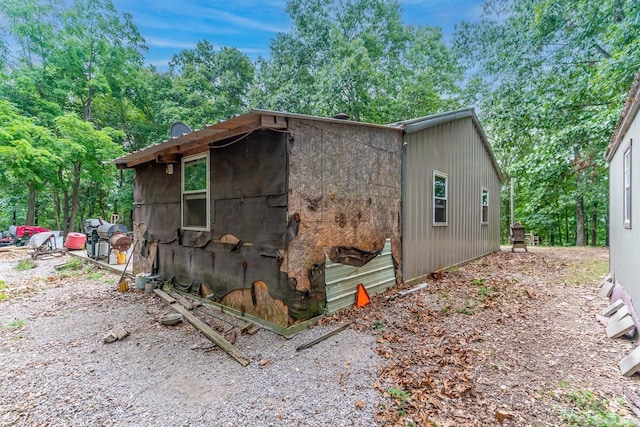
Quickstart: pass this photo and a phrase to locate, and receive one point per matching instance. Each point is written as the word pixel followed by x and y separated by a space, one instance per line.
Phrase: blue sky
pixel 170 26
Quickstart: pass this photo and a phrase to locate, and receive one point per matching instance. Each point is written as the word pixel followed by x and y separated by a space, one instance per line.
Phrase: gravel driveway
pixel 56 370
pixel 511 339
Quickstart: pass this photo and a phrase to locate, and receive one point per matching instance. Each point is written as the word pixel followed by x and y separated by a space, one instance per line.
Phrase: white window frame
pixel 206 191
pixel 438 174
pixel 483 205
pixel 627 186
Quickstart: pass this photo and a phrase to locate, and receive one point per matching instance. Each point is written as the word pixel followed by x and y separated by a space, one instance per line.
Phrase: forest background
pixel 548 79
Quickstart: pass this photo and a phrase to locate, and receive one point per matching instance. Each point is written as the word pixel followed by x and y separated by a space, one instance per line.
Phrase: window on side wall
pixel 626 198
pixel 195 192
pixel 440 198
pixel 484 217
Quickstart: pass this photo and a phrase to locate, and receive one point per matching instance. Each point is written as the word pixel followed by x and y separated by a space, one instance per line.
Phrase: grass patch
pixel 72 265
pixel 95 276
pixel 401 397
pixel 25 264
pixel 3 285
pixel 379 325
pixel 584 408
pixel 14 324
pixel 587 271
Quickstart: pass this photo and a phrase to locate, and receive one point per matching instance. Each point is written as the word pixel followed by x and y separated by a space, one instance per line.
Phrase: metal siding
pixel 454 148
pixel 624 249
pixel 342 280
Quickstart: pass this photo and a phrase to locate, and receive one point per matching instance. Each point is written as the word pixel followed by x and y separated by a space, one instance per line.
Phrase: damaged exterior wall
pixel 454 148
pixel 278 199
pixel 345 185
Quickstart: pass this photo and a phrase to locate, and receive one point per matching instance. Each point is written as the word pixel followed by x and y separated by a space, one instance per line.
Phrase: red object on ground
pixel 29 230
pixel 75 241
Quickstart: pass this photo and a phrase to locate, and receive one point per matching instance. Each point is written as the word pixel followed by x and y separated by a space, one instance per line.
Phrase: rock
pixel 109 338
pixel 171 319
pixel 115 334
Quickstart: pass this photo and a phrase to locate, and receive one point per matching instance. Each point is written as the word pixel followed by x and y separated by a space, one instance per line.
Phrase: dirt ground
pixel 509 339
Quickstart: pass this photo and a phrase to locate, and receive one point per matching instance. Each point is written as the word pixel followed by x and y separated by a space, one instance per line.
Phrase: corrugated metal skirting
pixel 342 280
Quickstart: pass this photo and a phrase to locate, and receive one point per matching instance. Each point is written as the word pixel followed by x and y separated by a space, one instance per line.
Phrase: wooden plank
pixel 323 337
pixel 204 328
pixel 182 300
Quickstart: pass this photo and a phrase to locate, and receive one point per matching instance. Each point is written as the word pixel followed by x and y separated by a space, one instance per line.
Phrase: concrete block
pixel 613 307
pixel 609 278
pixel 622 312
pixel 621 327
pixel 630 364
pixel 606 289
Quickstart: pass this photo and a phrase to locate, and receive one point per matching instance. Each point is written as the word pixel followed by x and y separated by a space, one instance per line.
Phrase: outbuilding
pixel 624 182
pixel 278 216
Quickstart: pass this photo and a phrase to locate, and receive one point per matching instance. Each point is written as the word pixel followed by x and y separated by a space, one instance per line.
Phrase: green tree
pixel 86 153
pixel 26 155
pixel 556 73
pixel 206 85
pixel 358 58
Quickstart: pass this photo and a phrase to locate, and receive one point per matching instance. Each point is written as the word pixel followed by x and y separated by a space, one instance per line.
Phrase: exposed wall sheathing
pixel 345 184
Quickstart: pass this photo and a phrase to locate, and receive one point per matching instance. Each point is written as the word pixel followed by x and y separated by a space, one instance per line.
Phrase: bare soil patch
pixel 509 339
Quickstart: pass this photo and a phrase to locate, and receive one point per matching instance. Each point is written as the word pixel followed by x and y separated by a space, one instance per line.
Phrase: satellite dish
pixel 178 129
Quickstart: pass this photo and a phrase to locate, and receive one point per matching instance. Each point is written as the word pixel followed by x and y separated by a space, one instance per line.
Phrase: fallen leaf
pixel 360 404
pixel 503 415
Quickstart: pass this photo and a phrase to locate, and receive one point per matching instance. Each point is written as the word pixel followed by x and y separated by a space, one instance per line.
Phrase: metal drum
pixel 106 230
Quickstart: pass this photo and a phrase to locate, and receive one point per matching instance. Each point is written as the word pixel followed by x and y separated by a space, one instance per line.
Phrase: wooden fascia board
pixel 194 147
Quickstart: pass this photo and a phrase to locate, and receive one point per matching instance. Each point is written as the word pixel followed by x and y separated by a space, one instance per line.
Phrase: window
pixel 439 198
pixel 195 192
pixel 484 217
pixel 626 198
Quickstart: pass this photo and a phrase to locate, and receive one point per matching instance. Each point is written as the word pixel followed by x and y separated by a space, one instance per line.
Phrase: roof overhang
pixel 422 123
pixel 628 114
pixel 197 141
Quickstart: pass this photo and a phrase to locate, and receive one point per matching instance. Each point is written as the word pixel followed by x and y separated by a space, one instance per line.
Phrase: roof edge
pixel 627 115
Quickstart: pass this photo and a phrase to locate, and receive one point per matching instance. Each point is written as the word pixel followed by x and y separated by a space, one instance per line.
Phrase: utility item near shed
pixel 245 213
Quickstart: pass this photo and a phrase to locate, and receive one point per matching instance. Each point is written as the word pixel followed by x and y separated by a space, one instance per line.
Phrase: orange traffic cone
pixel 362 297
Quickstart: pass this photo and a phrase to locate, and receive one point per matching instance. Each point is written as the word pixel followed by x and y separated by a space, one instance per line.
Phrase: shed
pixel 624 183
pixel 248 212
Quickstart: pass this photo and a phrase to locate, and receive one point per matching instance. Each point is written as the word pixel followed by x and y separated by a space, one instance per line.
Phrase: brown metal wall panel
pixel 456 149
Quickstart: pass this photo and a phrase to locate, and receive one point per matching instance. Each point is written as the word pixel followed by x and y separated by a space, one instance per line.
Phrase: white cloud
pixel 159 42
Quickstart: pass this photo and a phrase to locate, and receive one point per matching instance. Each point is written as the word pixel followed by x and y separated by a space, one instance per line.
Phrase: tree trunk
pixel 580 237
pixel 56 209
pixel 594 226
pixel 31 209
pixel 74 196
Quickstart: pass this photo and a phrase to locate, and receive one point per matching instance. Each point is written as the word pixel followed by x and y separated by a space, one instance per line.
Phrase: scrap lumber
pixel 204 328
pixel 408 291
pixel 634 401
pixel 323 337
pixel 185 302
pixel 249 328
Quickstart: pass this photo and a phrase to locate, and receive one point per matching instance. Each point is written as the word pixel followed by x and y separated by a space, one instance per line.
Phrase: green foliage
pixel 356 58
pixel 14 324
pixel 552 75
pixel 3 285
pixel 25 264
pixel 589 410
pixel 73 264
pixel 399 394
pixel 207 85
